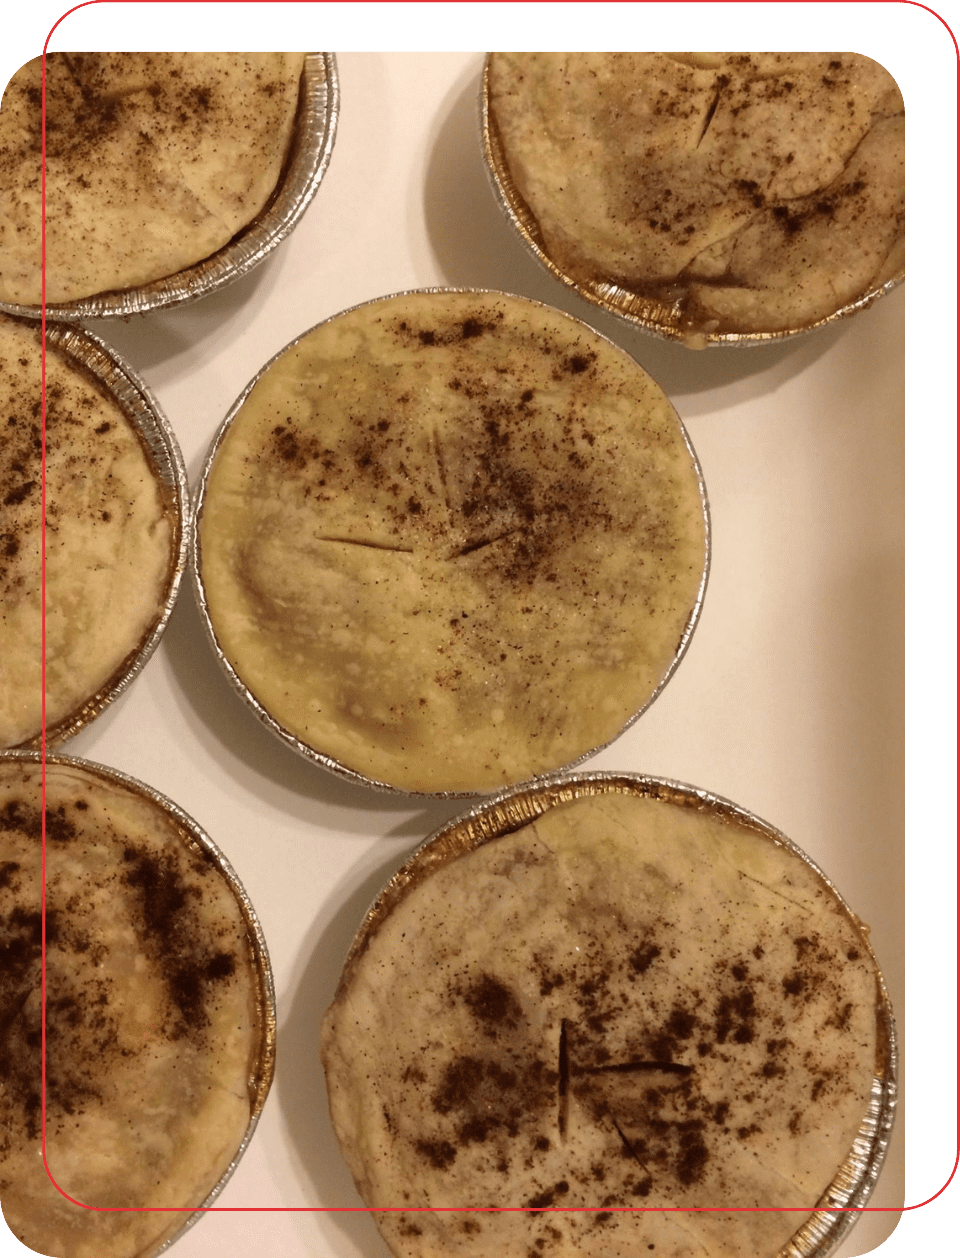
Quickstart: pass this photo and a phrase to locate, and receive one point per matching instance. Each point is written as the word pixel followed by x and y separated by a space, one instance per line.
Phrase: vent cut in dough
pixel 154 161
pixel 626 1002
pixel 756 192
pixel 110 537
pixel 154 1020
pixel 452 540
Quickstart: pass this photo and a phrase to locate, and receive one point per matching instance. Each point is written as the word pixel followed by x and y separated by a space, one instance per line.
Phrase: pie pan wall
pixel 330 762
pixel 193 837
pixel 93 356
pixel 836 1212
pixel 315 129
pixel 635 308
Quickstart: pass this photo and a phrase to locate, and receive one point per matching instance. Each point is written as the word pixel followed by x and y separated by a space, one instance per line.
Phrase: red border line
pixel 43 1043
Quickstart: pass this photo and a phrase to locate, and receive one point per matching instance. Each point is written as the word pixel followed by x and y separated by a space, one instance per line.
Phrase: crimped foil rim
pixel 163 453
pixel 328 762
pixel 261 1077
pixel 509 810
pixel 318 111
pixel 635 309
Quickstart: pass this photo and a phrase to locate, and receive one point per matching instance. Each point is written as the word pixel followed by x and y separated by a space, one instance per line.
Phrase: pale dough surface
pixel 624 1003
pixel 154 161
pixel 452 540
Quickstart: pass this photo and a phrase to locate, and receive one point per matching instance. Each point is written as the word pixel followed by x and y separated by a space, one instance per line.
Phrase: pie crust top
pixel 753 192
pixel 629 1001
pixel 155 1027
pixel 110 537
pixel 452 539
pixel 154 161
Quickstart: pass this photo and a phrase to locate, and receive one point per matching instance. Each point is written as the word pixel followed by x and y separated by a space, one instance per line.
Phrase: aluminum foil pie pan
pixel 837 1209
pixel 315 130
pixel 124 386
pixel 317 755
pixel 192 836
pixel 658 317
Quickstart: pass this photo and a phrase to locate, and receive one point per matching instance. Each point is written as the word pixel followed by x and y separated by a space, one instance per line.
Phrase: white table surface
pixel 790 698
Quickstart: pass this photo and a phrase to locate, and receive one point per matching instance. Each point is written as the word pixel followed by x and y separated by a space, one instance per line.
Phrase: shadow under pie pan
pixel 448 540
pixel 628 1010
pixel 669 308
pixel 116 536
pixel 311 146
pixel 159 1010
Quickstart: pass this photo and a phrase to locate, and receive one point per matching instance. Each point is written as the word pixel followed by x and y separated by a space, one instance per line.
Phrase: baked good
pixel 159 1019
pixel 159 1031
pixel 154 161
pixel 113 536
pixel 452 539
pixel 708 193
pixel 603 994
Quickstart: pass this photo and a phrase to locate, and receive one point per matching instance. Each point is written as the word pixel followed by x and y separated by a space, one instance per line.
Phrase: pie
pixel 154 161
pixel 451 540
pixel 605 995
pixel 157 1052
pixel 112 537
pixel 737 192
